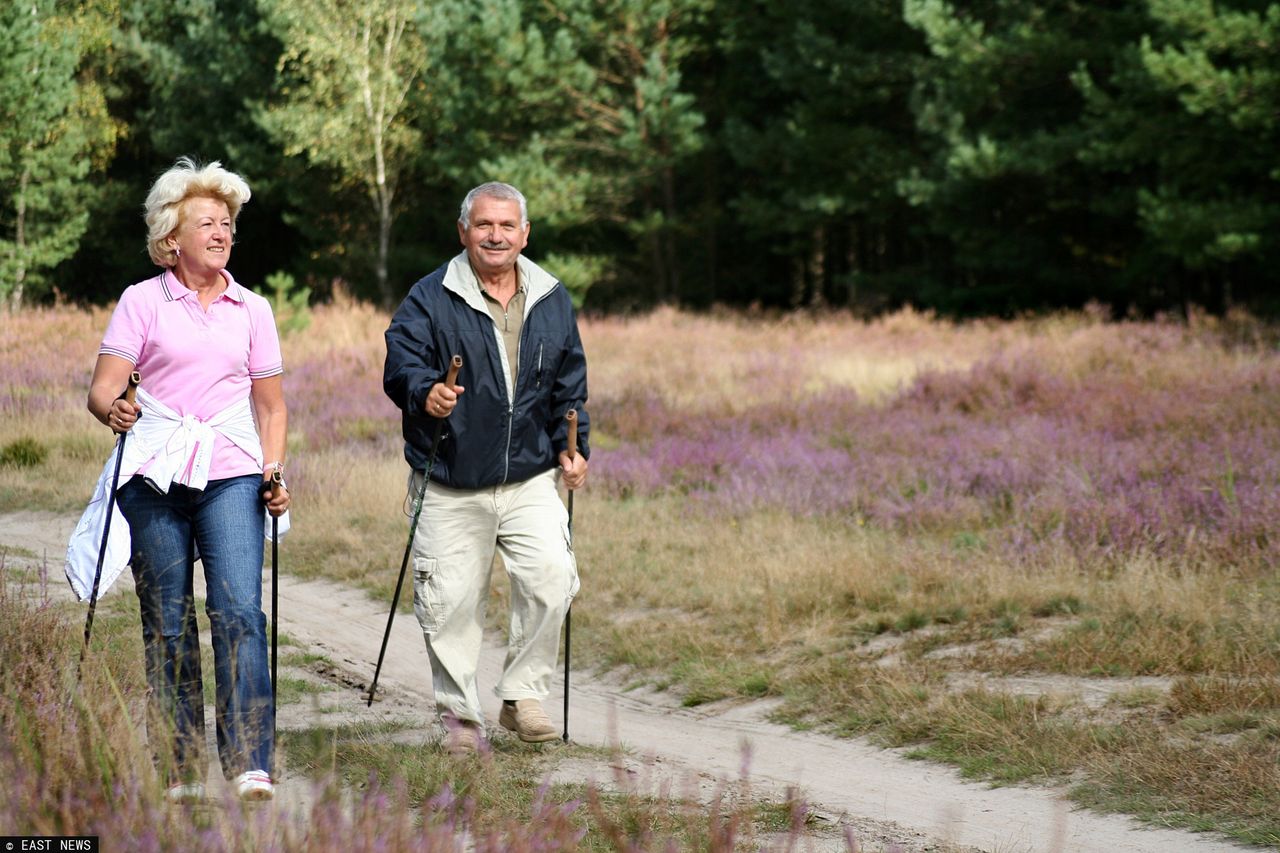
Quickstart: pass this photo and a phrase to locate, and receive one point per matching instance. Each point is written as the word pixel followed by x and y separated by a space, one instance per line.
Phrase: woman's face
pixel 203 236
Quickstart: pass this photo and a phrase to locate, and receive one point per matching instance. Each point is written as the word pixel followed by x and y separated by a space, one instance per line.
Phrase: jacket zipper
pixel 515 378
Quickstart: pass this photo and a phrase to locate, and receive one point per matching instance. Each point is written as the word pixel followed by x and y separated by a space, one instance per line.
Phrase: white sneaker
pixel 254 785
pixel 185 792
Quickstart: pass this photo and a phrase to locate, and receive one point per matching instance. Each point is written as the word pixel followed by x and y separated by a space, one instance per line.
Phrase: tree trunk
pixel 668 233
pixel 384 247
pixel 797 280
pixel 20 240
pixel 853 261
pixel 659 267
pixel 818 268
pixel 657 255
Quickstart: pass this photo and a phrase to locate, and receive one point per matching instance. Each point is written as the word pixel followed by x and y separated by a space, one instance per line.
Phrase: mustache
pixel 499 244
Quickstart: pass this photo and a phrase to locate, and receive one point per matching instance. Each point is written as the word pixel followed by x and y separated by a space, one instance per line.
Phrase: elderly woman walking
pixel 208 430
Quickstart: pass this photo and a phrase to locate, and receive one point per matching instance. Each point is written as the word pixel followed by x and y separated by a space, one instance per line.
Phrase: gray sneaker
pixel 526 718
pixel 461 737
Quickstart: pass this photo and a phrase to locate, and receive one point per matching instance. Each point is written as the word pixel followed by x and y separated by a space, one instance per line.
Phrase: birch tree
pixel 343 97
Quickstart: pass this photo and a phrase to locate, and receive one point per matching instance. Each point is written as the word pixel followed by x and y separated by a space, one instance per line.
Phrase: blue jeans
pixel 225 522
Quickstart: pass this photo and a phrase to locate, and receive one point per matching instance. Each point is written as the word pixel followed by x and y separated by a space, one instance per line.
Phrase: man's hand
pixel 573 469
pixel 441 399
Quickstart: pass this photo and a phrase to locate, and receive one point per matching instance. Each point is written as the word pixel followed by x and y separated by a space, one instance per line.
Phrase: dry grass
pixel 695 362
pixel 351 527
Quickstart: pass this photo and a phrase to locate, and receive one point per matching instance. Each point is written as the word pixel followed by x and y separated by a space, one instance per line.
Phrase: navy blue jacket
pixel 495 434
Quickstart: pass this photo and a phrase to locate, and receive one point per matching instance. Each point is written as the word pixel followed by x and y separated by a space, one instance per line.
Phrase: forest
pixel 993 157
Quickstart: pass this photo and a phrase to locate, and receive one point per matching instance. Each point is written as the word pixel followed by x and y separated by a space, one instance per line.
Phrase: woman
pixel 195 468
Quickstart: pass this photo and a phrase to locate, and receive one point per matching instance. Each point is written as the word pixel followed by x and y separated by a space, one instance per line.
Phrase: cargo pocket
pixel 426 593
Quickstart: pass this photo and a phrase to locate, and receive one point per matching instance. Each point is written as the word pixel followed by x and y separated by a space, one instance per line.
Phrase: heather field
pixel 1041 550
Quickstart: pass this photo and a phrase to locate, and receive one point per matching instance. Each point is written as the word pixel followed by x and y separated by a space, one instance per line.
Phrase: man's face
pixel 494 238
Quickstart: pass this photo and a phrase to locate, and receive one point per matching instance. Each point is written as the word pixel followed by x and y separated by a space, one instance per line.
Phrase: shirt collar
pixel 174 289
pixel 475 279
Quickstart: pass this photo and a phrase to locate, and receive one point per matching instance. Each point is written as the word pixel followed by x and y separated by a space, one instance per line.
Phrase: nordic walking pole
pixel 130 392
pixel 572 417
pixel 455 364
pixel 277 482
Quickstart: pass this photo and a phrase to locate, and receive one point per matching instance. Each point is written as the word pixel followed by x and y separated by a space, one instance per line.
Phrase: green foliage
pixel 985 157
pixel 1188 107
pixel 343 96
pixel 47 140
pixel 289 302
pixel 1226 81
pixel 1003 187
pixel 822 135
pixel 576 272
pixel 606 119
pixel 177 77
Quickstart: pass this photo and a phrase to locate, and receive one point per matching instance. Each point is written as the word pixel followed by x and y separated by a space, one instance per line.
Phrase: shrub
pixel 23 453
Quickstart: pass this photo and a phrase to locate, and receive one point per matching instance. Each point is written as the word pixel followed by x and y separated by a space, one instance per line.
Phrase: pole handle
pixel 572 417
pixel 277 483
pixel 455 364
pixel 130 393
pixel 131 390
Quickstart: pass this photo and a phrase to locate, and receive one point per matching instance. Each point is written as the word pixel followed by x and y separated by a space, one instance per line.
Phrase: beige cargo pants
pixel 458 533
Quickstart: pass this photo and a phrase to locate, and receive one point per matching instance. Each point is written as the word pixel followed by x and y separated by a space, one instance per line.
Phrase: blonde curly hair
pixel 163 208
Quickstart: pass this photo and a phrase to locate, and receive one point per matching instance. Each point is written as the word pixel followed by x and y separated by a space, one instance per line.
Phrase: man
pixel 502 449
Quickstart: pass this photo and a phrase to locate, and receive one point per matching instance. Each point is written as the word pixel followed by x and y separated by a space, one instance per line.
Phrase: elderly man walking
pixel 501 452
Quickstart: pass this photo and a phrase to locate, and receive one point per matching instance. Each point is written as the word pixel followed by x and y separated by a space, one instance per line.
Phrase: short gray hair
pixel 163 209
pixel 493 189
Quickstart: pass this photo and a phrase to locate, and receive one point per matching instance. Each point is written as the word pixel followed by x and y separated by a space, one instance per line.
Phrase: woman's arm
pixel 273 427
pixel 110 378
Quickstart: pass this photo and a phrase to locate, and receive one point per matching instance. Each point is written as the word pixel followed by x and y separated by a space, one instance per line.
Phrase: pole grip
pixel 131 391
pixel 455 364
pixel 572 417
pixel 277 482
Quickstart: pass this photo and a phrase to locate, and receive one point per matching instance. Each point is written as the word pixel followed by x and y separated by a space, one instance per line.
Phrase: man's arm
pixel 412 364
pixel 569 391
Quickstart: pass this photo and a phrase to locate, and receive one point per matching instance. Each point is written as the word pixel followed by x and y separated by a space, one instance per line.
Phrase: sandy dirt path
pixel 885 798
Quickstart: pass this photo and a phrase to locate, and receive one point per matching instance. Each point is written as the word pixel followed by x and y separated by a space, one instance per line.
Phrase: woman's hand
pixel 106 402
pixel 123 415
pixel 275 496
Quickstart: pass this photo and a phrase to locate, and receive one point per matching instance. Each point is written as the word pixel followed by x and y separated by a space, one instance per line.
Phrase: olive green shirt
pixel 509 322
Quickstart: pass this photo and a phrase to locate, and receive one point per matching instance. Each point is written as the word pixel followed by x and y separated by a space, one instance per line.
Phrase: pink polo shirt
pixel 197 362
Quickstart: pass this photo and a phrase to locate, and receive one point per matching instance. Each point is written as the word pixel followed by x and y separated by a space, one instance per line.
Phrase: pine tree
pixel 1200 94
pixel 817 121
pixel 46 142
pixel 583 105
pixel 1018 219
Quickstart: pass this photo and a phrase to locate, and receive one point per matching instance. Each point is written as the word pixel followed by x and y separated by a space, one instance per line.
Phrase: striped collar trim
pixel 174 289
